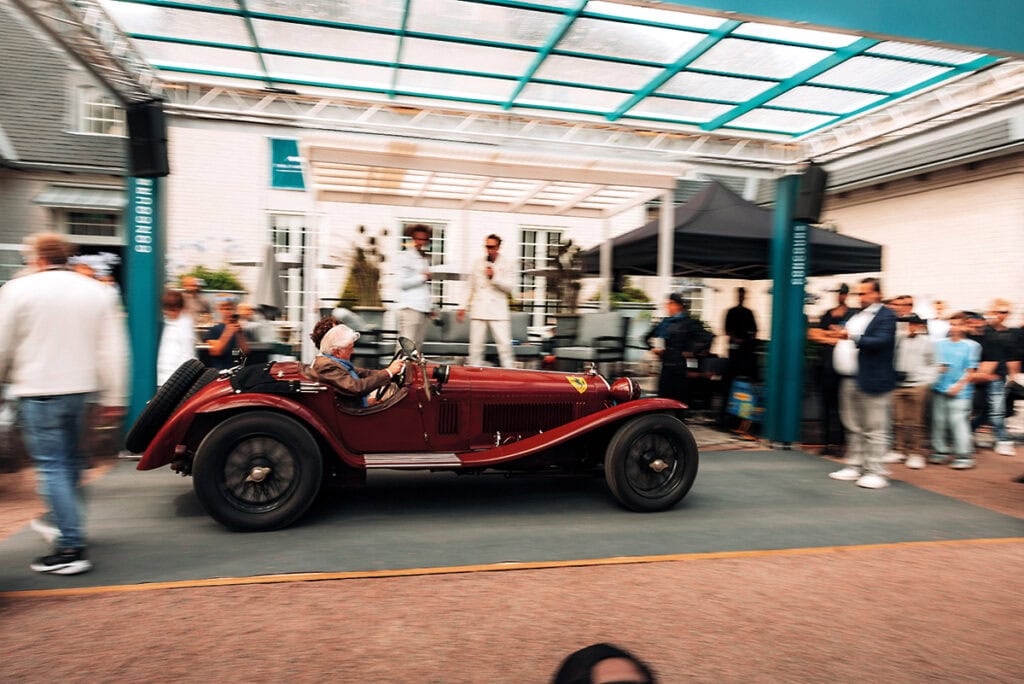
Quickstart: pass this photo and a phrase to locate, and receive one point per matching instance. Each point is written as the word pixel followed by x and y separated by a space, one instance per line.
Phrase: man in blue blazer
pixel 866 396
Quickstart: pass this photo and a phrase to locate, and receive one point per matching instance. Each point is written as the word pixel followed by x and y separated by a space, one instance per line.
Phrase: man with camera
pixel 490 284
pixel 225 337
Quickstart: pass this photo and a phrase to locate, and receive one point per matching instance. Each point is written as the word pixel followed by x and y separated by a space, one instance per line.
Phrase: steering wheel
pixel 399 378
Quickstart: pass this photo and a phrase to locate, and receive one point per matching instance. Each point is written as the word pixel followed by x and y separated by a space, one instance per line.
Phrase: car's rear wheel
pixel 257 471
pixel 651 462
pixel 162 405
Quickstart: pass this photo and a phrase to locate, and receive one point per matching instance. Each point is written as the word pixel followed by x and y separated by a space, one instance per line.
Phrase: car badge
pixel 579 383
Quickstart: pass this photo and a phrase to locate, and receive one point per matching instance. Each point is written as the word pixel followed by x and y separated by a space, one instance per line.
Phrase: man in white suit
pixel 490 283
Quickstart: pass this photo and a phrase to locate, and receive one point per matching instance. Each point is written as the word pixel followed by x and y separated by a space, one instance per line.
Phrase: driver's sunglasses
pixel 492 246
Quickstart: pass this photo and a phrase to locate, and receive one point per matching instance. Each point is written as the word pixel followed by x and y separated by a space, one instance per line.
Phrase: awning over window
pixel 69 197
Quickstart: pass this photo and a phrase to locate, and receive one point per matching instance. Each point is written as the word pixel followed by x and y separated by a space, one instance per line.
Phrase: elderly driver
pixel 333 367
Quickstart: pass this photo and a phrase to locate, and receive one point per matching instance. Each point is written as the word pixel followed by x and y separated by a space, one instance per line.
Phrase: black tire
pixel 162 405
pixel 631 465
pixel 225 461
pixel 208 376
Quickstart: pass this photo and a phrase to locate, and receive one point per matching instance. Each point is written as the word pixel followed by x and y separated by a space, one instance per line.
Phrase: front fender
pixel 569 431
pixel 161 450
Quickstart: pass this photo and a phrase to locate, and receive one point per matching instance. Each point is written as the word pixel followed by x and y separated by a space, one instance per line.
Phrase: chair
pixel 600 338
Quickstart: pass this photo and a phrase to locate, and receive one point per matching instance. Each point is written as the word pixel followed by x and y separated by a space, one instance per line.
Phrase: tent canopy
pixel 718 234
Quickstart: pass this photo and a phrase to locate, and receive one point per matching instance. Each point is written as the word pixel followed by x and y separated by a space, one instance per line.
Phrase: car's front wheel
pixel 651 462
pixel 257 471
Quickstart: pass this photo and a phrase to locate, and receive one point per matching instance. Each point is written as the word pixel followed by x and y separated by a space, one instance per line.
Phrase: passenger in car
pixel 333 367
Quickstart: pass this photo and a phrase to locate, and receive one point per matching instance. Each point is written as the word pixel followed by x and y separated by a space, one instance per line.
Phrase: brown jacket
pixel 331 373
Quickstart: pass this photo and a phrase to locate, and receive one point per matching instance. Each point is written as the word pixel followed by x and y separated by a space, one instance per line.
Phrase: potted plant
pixel 361 292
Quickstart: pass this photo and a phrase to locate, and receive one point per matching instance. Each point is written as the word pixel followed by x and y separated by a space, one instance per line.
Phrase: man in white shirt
pixel 61 339
pixel 490 282
pixel 413 299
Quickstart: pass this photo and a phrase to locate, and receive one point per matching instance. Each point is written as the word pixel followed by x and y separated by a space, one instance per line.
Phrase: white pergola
pixel 467 178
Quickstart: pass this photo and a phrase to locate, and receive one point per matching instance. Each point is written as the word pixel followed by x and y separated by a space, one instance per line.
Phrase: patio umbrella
pixel 269 294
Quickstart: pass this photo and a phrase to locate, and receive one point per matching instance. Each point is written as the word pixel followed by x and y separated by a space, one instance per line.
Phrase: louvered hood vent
pixel 513 418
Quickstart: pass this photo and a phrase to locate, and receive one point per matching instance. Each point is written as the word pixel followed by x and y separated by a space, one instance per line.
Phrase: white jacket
pixel 413 287
pixel 62 333
pixel 177 345
pixel 488 297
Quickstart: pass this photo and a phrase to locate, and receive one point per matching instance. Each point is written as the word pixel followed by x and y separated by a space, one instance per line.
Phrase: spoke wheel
pixel 257 471
pixel 651 462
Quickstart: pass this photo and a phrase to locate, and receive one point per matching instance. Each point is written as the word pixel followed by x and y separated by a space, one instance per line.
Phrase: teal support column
pixel 144 282
pixel 789 253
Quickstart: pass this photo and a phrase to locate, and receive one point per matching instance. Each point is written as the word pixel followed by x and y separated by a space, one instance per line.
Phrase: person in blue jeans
pixel 62 339
pixel 952 395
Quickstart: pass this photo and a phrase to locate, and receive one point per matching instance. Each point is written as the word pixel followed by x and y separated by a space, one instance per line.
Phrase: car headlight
pixel 625 389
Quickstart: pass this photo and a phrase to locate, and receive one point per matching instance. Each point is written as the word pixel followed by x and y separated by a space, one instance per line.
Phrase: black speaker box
pixel 147 140
pixel 811 197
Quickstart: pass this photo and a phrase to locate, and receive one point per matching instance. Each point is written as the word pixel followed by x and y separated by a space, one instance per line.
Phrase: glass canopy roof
pixel 591 60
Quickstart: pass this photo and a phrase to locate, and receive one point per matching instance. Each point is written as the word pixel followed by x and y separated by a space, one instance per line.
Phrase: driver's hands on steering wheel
pixel 396 367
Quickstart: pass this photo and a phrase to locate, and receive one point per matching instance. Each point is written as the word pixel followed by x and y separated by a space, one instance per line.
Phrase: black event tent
pixel 718 234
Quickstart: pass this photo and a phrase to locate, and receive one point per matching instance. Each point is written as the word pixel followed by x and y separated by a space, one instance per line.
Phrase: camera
pixel 233 318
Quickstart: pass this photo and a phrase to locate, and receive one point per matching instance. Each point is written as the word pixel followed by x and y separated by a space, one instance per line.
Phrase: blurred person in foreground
pixel 255 326
pixel 603 664
pixel 61 340
pixel 957 357
pixel 865 397
pixel 178 338
pixel 333 366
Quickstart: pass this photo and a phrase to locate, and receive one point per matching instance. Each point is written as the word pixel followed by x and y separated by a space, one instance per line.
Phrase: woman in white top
pixel 178 340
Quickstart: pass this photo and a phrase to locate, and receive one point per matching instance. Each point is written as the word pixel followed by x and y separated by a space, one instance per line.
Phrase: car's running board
pixel 411 460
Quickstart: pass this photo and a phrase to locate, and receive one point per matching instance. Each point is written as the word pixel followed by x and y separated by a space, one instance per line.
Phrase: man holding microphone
pixel 490 283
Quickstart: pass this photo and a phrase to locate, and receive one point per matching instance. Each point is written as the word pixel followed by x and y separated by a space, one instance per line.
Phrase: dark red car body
pixel 453 418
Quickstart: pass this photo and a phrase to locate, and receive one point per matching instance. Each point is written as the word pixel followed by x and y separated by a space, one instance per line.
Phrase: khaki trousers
pixel 910 404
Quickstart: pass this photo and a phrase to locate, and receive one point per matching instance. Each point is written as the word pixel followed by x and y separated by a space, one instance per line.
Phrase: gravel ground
pixel 898 613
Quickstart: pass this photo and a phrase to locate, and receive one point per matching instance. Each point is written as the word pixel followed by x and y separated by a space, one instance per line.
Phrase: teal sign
pixel 285 164
pixel 144 281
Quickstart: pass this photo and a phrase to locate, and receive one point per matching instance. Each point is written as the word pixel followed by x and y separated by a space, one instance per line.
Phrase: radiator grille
pixel 525 417
pixel 448 418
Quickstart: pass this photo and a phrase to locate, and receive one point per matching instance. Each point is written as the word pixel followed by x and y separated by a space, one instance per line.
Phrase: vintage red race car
pixel 259 441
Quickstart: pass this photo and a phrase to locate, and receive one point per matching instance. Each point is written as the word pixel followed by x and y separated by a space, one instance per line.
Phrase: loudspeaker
pixel 147 140
pixel 812 194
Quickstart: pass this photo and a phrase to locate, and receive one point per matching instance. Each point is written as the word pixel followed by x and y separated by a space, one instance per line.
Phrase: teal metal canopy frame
pixel 726 75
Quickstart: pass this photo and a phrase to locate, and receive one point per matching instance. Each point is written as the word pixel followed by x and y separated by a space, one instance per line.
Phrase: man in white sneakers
pixel 61 340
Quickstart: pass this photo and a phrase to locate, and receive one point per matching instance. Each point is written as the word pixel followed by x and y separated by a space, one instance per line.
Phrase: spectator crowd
pixel 900 387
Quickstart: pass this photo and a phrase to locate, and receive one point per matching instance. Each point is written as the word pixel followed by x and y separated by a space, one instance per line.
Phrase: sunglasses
pixel 491 246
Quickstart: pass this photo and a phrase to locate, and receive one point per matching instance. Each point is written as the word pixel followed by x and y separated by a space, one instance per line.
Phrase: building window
pixel 12 260
pixel 435 252
pixel 538 248
pixel 92 224
pixel 692 290
pixel 289 236
pixel 98 113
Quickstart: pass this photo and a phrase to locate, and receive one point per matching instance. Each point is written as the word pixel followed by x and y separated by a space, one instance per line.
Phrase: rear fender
pixel 180 429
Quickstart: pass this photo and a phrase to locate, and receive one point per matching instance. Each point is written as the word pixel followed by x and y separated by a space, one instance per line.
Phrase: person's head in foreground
pixel 603 664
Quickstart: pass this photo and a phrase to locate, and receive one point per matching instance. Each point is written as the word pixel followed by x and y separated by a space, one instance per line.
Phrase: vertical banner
pixel 285 164
pixel 789 257
pixel 144 281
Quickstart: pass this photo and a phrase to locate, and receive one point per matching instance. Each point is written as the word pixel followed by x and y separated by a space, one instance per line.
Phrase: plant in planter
pixel 564 281
pixel 362 287
pixel 223 279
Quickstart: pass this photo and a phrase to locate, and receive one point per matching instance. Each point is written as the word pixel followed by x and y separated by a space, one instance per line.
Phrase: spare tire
pixel 160 407
pixel 208 376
